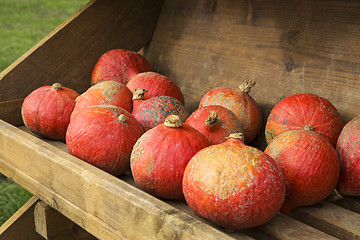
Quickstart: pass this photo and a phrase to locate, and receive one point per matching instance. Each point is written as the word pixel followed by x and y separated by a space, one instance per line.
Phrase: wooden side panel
pixel 287 47
pixel 69 53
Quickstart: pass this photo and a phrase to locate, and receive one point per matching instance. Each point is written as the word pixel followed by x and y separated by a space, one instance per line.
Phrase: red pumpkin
pixel 348 149
pixel 309 164
pixel 105 93
pixel 154 111
pixel 119 65
pixel 156 85
pixel 233 185
pixel 160 156
pixel 239 102
pixel 214 122
pixel 304 109
pixel 103 135
pixel 46 111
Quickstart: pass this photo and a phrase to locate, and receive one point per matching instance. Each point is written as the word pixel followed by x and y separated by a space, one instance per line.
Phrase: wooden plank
pixel 10 111
pixel 103 205
pixel 329 218
pixel 350 203
pixel 312 46
pixel 69 53
pixel 21 225
pixel 52 225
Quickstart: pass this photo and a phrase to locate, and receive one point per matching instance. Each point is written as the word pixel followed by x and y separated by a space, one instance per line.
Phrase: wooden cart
pixel 287 47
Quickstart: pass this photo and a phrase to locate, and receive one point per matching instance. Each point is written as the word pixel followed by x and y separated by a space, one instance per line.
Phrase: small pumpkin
pixel 239 102
pixel 214 122
pixel 159 157
pixel 119 65
pixel 46 111
pixel 304 109
pixel 156 85
pixel 105 93
pixel 154 111
pixel 233 185
pixel 348 149
pixel 310 166
pixel 103 135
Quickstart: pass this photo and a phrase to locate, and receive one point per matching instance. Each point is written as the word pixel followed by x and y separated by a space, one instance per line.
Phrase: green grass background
pixel 23 23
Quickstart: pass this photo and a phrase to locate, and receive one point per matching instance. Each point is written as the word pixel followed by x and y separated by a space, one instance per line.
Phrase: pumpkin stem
pixel 247 85
pixel 212 119
pixel 122 118
pixel 139 94
pixel 56 86
pixel 173 121
pixel 335 195
pixel 237 136
pixel 308 127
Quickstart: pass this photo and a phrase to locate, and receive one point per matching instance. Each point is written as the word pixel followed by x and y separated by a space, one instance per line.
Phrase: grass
pixel 23 23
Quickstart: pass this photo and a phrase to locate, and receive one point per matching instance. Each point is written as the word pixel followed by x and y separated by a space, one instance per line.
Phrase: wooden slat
pixel 329 218
pixel 10 111
pixel 52 225
pixel 103 205
pixel 69 53
pixel 350 203
pixel 21 225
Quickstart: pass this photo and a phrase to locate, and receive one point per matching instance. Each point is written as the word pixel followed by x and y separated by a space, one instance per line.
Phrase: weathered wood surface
pixel 287 47
pixel 21 225
pixel 69 53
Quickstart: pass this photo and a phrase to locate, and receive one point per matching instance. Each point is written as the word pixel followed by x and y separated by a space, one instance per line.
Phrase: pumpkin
pixel 154 111
pixel 233 185
pixel 239 102
pixel 119 65
pixel 46 111
pixel 156 85
pixel 310 166
pixel 105 93
pixel 214 122
pixel 348 149
pixel 304 109
pixel 103 135
pixel 159 157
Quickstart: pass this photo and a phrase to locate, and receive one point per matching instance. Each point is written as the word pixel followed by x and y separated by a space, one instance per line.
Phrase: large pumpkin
pixel 239 102
pixel 105 93
pixel 304 109
pixel 310 166
pixel 103 135
pixel 233 185
pixel 46 111
pixel 119 65
pixel 214 122
pixel 348 149
pixel 159 157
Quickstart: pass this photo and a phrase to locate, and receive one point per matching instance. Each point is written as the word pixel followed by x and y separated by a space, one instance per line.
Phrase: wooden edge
pixel 105 206
pixel 20 226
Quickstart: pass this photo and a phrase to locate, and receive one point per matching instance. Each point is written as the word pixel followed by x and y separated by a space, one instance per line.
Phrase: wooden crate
pixel 285 46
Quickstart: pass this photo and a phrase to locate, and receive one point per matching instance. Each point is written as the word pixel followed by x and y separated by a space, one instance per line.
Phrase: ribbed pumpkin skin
pixel 46 111
pixel 97 136
pixel 156 85
pixel 154 111
pixel 240 103
pixel 119 65
pixel 348 149
pixel 159 158
pixel 310 166
pixel 233 185
pixel 298 110
pixel 105 93
pixel 226 123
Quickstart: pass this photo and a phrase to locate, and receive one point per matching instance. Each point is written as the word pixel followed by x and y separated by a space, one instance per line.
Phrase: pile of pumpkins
pixel 134 118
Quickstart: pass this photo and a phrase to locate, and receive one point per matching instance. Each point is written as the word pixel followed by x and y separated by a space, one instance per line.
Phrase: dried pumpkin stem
pixel 139 94
pixel 56 86
pixel 173 121
pixel 308 127
pixel 247 85
pixel 122 118
pixel 237 136
pixel 212 119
